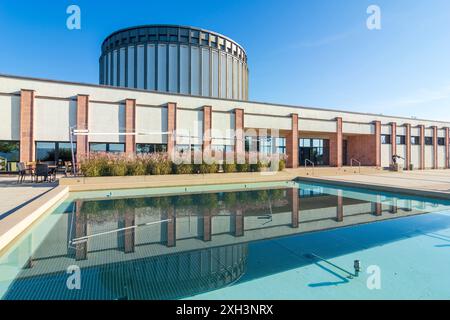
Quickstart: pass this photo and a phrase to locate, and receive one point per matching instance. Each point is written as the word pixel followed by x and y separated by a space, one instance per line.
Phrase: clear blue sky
pixel 313 53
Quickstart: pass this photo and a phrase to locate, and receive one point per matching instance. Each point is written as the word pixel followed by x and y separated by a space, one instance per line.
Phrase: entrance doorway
pixel 315 150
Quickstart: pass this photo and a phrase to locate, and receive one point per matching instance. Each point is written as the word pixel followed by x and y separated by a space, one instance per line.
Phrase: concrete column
pixel 293 200
pixel 377 143
pixel 26 126
pixel 130 126
pixel 239 146
pixel 207 127
pixel 447 149
pixel 336 142
pixel 129 234
pixel 292 143
pixel 435 148
pixel 171 227
pixel 394 138
pixel 340 207
pixel 422 147
pixel 239 223
pixel 80 231
pixel 408 146
pixel 171 127
pixel 82 123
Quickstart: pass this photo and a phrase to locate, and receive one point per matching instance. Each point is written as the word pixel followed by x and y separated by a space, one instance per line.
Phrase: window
pixel 386 139
pixel 54 151
pixel 441 141
pixel 401 140
pixel 428 141
pixel 266 145
pixel 9 155
pixel 107 147
pixel 150 148
pixel 222 148
pixel 415 140
pixel 280 144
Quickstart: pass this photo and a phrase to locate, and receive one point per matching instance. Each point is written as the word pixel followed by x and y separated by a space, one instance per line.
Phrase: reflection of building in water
pixel 178 246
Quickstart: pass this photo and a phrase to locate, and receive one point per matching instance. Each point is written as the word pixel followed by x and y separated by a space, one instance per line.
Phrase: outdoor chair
pixel 22 172
pixel 43 171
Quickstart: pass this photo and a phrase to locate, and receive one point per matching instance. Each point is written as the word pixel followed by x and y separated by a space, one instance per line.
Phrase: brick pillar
pixel 207 127
pixel 171 127
pixel 82 123
pixel 26 126
pixel 239 146
pixel 292 143
pixel 422 147
pixel 207 225
pixel 336 145
pixel 435 148
pixel 130 126
pixel 447 149
pixel 171 227
pixel 239 223
pixel 408 146
pixel 293 200
pixel 340 207
pixel 80 231
pixel 377 150
pixel 129 234
pixel 394 138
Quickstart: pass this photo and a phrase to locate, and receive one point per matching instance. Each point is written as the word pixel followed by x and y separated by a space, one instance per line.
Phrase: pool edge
pixel 16 224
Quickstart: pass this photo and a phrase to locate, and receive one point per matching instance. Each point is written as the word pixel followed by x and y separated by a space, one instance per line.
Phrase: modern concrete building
pixel 177 88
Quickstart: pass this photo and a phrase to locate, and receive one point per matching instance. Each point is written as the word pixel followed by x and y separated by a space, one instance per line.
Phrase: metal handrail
pixel 357 161
pixel 306 164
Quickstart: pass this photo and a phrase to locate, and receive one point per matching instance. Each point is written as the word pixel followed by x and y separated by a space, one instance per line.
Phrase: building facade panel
pixel 10 113
pixel 53 119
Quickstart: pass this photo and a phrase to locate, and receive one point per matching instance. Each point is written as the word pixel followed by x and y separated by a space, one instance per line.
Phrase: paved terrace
pixel 426 182
pixel 14 196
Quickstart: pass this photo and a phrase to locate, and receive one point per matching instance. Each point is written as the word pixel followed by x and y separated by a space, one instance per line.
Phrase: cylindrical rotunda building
pixel 175 59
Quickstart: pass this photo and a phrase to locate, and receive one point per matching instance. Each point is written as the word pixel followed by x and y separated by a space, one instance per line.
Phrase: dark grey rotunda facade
pixel 175 59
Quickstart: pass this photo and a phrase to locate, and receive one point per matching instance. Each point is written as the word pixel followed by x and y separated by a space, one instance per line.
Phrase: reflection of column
pixel 394 208
pixel 239 223
pixel 207 225
pixel 80 231
pixel 129 234
pixel 171 227
pixel 340 207
pixel 408 206
pixel 378 209
pixel 294 205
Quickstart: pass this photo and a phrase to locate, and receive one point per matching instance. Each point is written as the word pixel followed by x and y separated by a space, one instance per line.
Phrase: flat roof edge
pixel 92 85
